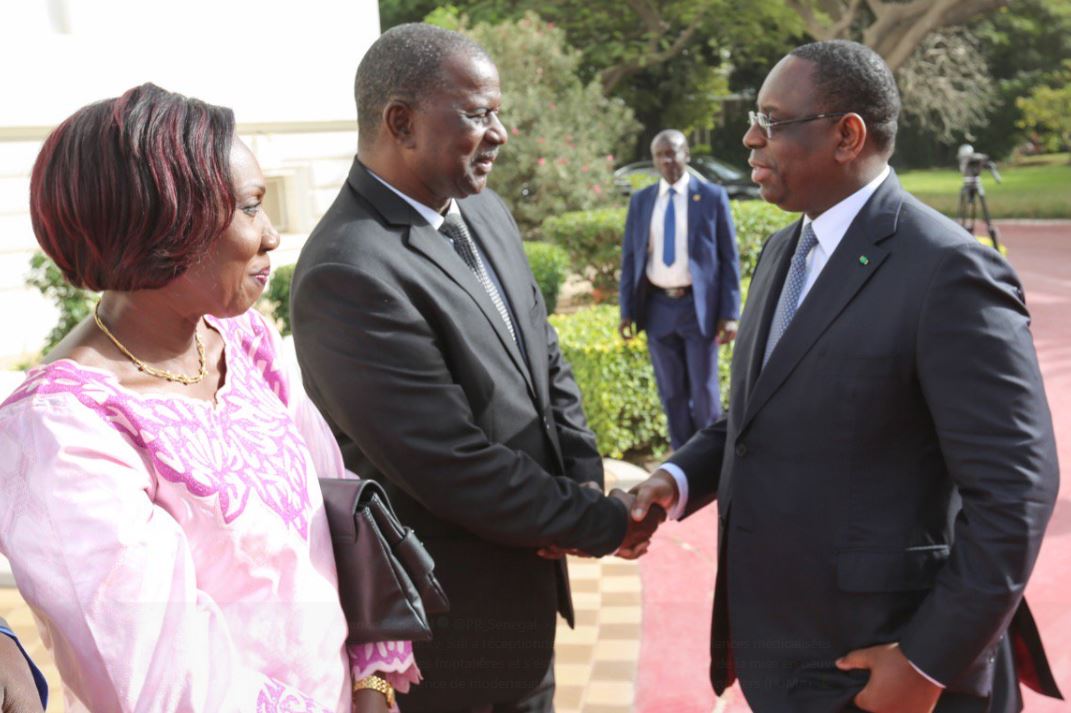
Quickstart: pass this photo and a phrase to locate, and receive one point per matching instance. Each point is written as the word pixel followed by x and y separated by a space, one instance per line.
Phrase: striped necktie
pixel 454 228
pixel 790 293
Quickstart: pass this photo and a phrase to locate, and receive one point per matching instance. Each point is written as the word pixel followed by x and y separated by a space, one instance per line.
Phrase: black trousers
pixel 538 700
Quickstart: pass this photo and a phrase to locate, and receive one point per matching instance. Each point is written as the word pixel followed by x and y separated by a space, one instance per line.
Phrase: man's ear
pixel 398 121
pixel 851 137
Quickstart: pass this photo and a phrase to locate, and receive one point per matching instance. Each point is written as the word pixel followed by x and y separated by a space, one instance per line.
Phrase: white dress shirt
pixel 659 273
pixel 435 218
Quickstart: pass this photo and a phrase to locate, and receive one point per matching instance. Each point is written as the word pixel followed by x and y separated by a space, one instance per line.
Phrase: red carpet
pixel 678 572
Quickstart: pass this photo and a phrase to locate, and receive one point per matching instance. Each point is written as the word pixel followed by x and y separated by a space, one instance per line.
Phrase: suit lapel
pixel 694 205
pixel 514 283
pixel 430 243
pixel 762 301
pixel 858 257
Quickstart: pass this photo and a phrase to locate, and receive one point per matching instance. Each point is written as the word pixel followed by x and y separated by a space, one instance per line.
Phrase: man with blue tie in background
pixel 680 280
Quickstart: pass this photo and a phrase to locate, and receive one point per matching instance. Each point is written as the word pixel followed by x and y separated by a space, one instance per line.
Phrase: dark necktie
pixel 454 228
pixel 790 293
pixel 669 230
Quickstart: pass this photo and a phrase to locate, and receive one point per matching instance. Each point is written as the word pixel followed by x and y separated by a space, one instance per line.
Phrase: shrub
pixel 755 221
pixel 616 380
pixel 74 304
pixel 593 240
pixel 549 265
pixel 276 299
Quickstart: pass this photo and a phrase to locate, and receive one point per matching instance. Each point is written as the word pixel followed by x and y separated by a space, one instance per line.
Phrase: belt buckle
pixel 676 292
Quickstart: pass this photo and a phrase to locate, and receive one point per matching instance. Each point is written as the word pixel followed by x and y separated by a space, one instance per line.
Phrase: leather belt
pixel 675 293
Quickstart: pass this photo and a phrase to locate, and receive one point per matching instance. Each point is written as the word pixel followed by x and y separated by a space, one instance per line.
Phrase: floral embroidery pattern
pixel 244 443
pixel 274 697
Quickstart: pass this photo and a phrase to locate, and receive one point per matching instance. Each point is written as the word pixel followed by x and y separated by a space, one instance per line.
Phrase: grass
pixel 1039 187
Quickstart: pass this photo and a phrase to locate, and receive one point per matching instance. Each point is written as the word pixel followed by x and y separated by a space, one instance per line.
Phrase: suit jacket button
pixel 741 450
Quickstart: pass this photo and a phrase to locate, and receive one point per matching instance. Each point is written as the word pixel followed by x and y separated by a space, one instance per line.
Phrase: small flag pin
pixel 864 260
pixel 695 197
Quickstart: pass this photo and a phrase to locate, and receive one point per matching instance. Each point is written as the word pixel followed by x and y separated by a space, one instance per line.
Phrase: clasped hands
pixel 647 504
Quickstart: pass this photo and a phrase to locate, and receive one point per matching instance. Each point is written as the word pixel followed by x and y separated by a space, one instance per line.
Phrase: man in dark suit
pixel 423 338
pixel 680 280
pixel 887 467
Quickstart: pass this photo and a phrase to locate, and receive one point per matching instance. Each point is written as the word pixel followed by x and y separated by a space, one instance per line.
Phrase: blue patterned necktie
pixel 790 293
pixel 669 230
pixel 454 228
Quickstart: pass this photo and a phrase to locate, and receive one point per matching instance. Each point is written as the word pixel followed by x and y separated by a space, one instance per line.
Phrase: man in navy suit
pixel 685 290
pixel 887 466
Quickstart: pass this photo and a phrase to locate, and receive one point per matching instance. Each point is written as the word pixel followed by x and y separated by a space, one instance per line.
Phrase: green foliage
pixel 277 297
pixel 616 380
pixel 562 132
pixel 755 221
pixel 549 264
pixel 1047 112
pixel 593 240
pixel 74 304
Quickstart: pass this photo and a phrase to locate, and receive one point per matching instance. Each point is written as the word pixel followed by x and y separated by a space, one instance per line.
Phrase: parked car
pixel 736 183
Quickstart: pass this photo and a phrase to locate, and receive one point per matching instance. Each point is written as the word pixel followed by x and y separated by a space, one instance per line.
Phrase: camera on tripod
pixel 971 165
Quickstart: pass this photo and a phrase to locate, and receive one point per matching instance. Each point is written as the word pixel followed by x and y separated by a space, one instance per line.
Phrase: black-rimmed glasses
pixel 764 122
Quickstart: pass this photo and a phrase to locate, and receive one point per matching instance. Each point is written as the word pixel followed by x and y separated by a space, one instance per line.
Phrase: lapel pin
pixel 864 260
pixel 695 197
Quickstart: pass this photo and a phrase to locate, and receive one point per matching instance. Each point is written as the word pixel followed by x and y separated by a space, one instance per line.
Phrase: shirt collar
pixel 681 185
pixel 831 226
pixel 432 216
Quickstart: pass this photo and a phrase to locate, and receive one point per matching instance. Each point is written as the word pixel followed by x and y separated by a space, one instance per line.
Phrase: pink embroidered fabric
pixel 175 551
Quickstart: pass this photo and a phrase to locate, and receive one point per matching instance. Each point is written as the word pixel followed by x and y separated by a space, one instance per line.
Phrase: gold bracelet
pixel 376 683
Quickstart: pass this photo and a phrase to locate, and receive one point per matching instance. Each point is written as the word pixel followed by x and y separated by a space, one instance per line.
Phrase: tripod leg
pixel 989 223
pixel 961 211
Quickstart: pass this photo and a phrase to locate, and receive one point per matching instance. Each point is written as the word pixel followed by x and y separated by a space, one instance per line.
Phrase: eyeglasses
pixel 764 122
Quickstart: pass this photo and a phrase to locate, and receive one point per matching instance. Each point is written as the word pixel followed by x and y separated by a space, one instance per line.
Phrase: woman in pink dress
pixel 159 500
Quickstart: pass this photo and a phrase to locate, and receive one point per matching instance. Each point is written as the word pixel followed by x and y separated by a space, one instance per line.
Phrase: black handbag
pixel 386 579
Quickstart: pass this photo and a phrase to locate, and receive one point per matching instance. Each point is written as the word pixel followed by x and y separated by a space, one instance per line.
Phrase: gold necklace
pixel 152 370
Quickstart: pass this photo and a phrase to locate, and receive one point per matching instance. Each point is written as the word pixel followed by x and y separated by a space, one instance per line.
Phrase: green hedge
pixel 593 238
pixel 549 264
pixel 616 380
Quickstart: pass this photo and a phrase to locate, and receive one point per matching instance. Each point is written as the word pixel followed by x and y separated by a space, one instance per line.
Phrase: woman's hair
pixel 128 192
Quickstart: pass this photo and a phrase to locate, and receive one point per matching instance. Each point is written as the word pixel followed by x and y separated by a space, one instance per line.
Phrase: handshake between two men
pixel 647 505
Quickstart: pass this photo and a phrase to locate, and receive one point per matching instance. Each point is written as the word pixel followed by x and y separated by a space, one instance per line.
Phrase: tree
pixel 1047 112
pixel 563 132
pixel 945 86
pixel 892 29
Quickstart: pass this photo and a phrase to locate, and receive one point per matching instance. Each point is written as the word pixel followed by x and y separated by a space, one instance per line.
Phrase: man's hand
pixel 726 331
pixel 626 329
pixel 894 686
pixel 640 530
pixel 659 489
pixel 18 692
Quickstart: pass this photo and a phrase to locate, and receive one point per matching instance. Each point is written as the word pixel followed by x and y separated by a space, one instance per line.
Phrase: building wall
pixel 285 68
